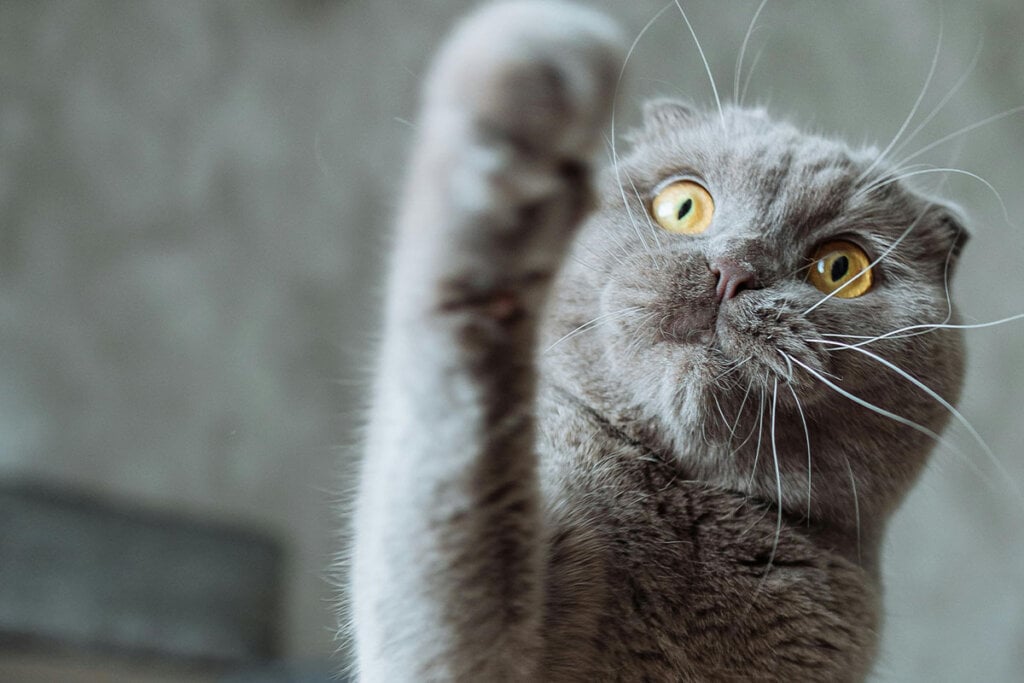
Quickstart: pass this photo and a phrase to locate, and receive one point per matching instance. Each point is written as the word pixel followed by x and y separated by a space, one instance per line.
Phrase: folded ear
pixel 949 225
pixel 662 115
pixel 664 112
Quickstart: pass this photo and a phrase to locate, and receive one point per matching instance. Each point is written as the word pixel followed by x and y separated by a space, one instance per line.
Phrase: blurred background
pixel 195 200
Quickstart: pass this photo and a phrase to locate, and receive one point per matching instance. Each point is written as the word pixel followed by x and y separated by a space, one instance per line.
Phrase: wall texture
pixel 194 205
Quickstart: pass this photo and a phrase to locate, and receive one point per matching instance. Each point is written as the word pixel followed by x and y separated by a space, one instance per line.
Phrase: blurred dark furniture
pixel 87 580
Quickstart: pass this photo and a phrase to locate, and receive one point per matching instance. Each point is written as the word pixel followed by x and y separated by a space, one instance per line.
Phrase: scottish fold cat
pixel 646 423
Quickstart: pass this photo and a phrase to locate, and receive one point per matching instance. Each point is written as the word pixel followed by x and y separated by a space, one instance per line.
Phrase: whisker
pixel 585 264
pixel 721 413
pixel 941 401
pixel 611 248
pixel 778 482
pixel 870 406
pixel 913 110
pixel 743 52
pixel 739 414
pixel 594 322
pixel 957 171
pixel 760 431
pixel 856 502
pixel 889 173
pixel 902 420
pixel 807 440
pixel 750 74
pixel 928 327
pixel 707 67
pixel 654 229
pixel 746 439
pixel 615 97
pixel 733 367
pixel 963 131
pixel 625 200
pixel 633 221
pixel 756 426
pixel 945 100
pixel 789 367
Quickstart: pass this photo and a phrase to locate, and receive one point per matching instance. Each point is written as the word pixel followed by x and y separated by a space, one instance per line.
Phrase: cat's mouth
pixel 671 329
pixel 755 336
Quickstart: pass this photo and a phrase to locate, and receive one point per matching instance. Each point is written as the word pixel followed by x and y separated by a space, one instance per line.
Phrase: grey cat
pixel 661 447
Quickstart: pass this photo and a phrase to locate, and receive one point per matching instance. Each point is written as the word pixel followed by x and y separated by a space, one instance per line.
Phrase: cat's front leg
pixel 449 552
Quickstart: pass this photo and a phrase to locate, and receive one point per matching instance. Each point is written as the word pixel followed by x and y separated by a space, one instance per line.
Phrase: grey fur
pixel 575 454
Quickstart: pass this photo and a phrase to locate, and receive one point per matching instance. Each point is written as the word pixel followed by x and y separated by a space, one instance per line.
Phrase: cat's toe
pixel 540 75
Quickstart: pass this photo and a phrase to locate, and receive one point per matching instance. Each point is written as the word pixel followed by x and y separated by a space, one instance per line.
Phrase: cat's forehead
pixel 742 148
pixel 760 169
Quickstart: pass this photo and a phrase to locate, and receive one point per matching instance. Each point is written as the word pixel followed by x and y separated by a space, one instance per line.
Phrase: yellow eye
pixel 835 264
pixel 684 207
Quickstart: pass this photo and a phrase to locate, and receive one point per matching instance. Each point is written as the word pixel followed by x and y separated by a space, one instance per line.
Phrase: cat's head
pixel 695 304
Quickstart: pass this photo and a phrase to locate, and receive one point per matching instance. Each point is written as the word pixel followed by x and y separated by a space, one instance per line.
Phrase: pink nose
pixel 732 278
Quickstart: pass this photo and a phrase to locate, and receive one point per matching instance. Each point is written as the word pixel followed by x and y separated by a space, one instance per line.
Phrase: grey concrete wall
pixel 194 203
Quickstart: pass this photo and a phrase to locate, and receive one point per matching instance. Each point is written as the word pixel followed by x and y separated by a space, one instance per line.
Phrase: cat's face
pixel 704 345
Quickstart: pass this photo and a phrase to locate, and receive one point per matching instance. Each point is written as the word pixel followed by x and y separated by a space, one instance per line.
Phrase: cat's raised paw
pixel 538 75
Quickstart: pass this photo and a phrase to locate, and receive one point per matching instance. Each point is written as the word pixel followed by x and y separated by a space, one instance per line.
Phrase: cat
pixel 640 424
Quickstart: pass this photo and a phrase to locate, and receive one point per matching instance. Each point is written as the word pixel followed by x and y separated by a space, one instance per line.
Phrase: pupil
pixel 684 209
pixel 840 267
